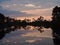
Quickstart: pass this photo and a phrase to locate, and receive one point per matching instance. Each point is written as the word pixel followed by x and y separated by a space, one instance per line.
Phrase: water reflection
pixel 56 35
pixel 29 35
pixel 5 30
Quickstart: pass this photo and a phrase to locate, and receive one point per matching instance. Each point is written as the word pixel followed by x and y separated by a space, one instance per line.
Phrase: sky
pixel 28 8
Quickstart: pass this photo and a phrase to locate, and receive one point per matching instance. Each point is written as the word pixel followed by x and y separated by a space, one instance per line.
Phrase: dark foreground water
pixel 26 36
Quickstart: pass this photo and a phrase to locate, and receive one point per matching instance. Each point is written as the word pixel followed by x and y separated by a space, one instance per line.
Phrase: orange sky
pixel 46 13
pixel 35 17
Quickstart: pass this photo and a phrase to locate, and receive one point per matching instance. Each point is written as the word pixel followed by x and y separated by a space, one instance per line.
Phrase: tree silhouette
pixel 56 25
pixel 40 18
pixel 2 17
pixel 56 13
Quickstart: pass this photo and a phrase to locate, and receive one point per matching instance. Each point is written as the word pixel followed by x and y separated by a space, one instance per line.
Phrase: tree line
pixel 38 22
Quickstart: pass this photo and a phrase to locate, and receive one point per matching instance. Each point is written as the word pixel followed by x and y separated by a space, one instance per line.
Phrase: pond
pixel 29 35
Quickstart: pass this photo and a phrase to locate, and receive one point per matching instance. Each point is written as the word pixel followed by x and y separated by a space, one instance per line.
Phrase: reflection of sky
pixel 24 8
pixel 30 37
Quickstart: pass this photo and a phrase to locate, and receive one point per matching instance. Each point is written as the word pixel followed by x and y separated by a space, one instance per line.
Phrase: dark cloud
pixel 43 3
pixel 8 11
pixel 3 1
pixel 13 13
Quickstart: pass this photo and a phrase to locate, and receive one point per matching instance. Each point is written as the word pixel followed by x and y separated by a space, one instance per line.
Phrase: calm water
pixel 26 36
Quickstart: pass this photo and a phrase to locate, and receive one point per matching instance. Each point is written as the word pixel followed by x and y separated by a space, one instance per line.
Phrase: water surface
pixel 29 35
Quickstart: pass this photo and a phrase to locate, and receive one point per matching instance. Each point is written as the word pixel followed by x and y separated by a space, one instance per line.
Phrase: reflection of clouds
pixel 30 41
pixel 38 34
pixel 32 34
pixel 7 40
pixel 30 37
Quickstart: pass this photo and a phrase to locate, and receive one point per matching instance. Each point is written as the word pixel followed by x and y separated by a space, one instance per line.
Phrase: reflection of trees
pixel 39 29
pixel 33 28
pixel 4 30
pixel 56 35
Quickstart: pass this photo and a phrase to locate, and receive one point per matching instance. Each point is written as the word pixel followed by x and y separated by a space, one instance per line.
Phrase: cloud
pixel 3 0
pixel 32 5
pixel 29 4
pixel 12 13
pixel 46 13
pixel 39 12
pixel 18 7
pixel 27 7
